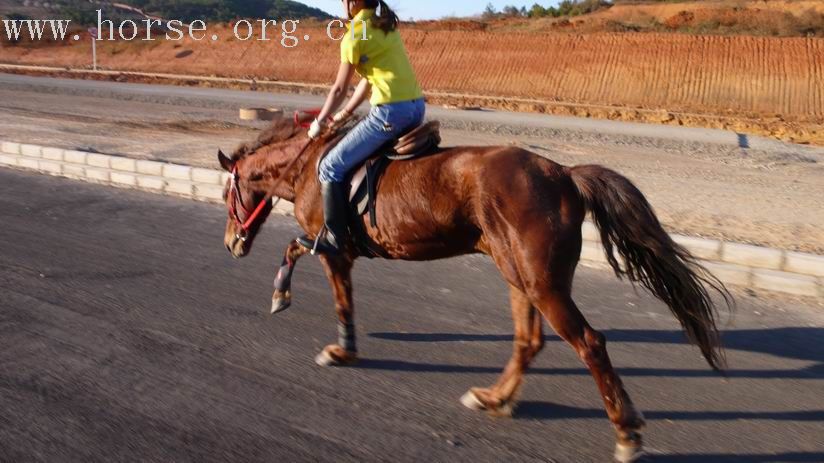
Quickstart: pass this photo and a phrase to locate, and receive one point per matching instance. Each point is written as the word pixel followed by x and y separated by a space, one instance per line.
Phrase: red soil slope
pixel 774 79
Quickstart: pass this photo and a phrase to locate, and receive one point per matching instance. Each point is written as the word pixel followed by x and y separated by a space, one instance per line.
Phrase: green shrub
pixel 565 8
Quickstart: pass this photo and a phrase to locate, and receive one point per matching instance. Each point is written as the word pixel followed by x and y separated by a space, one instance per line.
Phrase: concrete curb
pixel 737 264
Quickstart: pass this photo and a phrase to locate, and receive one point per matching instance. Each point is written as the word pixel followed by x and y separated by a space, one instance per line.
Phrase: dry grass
pixel 773 18
pixel 810 23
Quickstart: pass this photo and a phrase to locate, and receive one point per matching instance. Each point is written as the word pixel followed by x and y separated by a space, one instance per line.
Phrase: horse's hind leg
pixel 529 340
pixel 282 297
pixel 339 272
pixel 569 323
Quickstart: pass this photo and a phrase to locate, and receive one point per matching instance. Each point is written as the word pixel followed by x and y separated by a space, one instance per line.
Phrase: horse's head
pixel 261 170
pixel 248 202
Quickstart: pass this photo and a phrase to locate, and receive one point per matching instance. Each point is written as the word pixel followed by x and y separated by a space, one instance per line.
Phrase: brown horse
pixel 522 210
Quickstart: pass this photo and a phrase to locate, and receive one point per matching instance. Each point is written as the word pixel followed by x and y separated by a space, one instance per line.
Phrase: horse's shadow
pixel 533 410
pixel 546 411
pixel 797 343
pixel 788 457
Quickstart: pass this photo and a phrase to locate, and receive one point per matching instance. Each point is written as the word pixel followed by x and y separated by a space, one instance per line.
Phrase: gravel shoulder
pixel 755 191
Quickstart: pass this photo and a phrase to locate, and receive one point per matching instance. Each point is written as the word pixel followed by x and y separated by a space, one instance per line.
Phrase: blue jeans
pixel 384 123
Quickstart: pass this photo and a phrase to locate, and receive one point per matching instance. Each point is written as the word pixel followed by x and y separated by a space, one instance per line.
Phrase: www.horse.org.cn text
pixel 285 32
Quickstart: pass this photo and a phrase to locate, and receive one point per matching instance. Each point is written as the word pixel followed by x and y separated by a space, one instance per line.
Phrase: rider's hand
pixel 316 128
pixel 341 115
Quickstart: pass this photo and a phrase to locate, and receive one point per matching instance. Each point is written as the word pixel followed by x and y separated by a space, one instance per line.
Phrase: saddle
pixel 363 182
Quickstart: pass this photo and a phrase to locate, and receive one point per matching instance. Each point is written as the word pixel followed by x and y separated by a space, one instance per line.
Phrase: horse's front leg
pixel 282 297
pixel 339 271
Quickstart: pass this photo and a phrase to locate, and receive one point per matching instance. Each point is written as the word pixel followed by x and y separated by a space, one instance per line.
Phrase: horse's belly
pixel 420 230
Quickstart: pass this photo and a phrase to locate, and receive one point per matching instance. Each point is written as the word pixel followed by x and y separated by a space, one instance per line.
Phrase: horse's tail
pixel 627 222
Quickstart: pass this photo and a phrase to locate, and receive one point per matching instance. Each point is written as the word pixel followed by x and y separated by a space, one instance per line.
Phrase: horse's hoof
pixel 325 360
pixel 628 453
pixel 504 411
pixel 471 401
pixel 280 304
pixel 281 301
pixel 333 356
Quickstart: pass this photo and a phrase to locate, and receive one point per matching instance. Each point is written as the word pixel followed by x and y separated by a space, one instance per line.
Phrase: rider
pixel 373 47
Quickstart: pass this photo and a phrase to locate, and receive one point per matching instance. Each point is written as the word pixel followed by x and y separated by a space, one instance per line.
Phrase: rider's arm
pixel 361 92
pixel 338 92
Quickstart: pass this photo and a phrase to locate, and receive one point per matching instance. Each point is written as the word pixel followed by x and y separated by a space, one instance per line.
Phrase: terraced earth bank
pixel 774 81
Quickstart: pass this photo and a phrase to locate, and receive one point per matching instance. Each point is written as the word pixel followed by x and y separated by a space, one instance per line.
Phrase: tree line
pixel 85 11
pixel 227 10
pixel 565 8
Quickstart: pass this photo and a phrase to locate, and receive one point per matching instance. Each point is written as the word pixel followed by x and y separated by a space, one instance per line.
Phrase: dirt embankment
pixel 762 85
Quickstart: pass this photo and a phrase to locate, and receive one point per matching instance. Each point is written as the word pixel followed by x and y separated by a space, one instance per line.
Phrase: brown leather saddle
pixel 363 183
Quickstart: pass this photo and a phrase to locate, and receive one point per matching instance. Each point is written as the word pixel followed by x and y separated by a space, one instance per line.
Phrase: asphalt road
pixel 128 333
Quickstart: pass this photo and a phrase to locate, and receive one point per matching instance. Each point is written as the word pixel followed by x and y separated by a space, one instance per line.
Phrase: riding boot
pixel 335 217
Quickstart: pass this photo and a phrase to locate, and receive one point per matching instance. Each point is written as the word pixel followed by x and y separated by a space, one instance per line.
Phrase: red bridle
pixel 236 202
pixel 236 198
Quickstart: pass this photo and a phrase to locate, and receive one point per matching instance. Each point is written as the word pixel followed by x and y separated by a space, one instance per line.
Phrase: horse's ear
pixel 225 162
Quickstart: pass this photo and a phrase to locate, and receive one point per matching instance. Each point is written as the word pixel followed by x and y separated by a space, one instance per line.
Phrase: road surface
pixel 128 333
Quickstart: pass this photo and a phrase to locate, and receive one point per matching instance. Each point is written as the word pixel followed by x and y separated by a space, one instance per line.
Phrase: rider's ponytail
pixel 386 19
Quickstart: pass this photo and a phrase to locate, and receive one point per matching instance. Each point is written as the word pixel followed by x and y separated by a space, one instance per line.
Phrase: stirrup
pixel 314 249
pixel 305 241
pixel 309 243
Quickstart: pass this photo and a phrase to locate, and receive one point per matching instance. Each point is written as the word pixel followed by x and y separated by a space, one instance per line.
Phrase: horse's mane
pixel 282 129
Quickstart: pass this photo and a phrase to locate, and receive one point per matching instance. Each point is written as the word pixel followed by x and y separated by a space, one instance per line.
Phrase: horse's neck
pixel 287 181
pixel 306 177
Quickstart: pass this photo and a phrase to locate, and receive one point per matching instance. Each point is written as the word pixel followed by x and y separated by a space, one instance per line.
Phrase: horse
pixel 519 208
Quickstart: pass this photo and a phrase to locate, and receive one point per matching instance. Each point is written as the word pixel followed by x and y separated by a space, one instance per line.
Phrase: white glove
pixel 315 129
pixel 341 115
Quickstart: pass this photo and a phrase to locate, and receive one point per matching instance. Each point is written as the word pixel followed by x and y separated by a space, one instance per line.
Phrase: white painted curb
pixel 733 263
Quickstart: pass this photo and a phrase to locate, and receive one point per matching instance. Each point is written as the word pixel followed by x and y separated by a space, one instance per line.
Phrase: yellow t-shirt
pixel 381 59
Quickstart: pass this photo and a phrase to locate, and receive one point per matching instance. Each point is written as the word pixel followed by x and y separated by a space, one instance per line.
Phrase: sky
pixel 431 9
